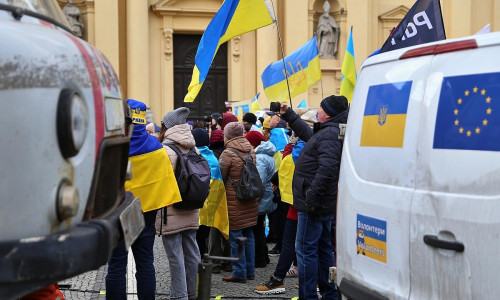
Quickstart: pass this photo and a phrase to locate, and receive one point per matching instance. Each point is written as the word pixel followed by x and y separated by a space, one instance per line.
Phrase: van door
pixel 455 223
pixel 377 179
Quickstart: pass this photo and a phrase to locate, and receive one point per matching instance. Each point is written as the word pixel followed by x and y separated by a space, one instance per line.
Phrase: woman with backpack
pixel 178 226
pixel 242 213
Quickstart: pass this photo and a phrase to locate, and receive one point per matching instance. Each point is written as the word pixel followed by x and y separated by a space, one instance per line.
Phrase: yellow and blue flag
pixel 255 105
pixel 285 174
pixel 468 115
pixel 214 211
pixel 234 18
pixel 302 104
pixel 385 115
pixel 348 71
pixel 153 179
pixel 302 68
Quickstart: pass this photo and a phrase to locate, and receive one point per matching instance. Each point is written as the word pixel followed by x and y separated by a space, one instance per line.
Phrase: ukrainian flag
pixel 285 175
pixel 385 115
pixel 468 114
pixel 214 211
pixel 302 69
pixel 255 105
pixel 153 179
pixel 234 18
pixel 348 71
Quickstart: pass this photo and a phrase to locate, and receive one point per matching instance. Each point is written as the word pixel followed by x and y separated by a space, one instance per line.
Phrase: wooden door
pixel 213 94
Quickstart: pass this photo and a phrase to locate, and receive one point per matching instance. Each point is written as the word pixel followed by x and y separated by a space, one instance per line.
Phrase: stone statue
pixel 74 18
pixel 327 33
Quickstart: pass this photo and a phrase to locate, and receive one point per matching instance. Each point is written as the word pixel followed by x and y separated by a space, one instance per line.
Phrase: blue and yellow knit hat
pixel 138 111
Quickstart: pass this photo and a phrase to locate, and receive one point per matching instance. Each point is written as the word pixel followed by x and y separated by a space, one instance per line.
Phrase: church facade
pixel 152 44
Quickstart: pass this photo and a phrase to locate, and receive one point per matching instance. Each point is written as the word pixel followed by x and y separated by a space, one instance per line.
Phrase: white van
pixel 419 192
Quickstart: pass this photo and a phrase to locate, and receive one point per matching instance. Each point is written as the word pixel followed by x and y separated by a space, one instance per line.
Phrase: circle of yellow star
pixel 455 111
pixel 459 100
pixel 469 133
pixel 488 111
pixel 475 89
pixel 457 122
pixel 485 122
pixel 467 93
pixel 461 130
pixel 478 130
pixel 488 100
pixel 483 92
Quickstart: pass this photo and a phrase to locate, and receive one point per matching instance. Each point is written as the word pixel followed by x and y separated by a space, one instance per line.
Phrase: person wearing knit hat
pixel 314 184
pixel 178 227
pixel 242 214
pixel 250 119
pixel 228 118
pixel 255 138
pixel 217 142
pixel 175 117
pixel 334 105
pixel 201 137
pixel 233 129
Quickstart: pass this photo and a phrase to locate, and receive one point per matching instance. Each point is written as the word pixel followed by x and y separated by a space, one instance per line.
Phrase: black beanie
pixel 201 137
pixel 250 118
pixel 334 105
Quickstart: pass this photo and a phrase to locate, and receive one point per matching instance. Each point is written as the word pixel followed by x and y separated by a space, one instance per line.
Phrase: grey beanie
pixel 175 117
pixel 234 129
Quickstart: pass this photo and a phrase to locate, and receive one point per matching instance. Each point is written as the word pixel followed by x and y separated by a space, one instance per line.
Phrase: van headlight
pixel 72 122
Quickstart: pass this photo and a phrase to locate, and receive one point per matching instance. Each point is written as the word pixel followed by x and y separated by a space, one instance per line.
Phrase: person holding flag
pixel 153 181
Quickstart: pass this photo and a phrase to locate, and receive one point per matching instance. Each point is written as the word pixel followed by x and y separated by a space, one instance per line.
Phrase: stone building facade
pixel 152 43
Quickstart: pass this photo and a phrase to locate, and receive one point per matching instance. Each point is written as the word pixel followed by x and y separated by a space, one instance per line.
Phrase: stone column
pixel 107 37
pixel 137 50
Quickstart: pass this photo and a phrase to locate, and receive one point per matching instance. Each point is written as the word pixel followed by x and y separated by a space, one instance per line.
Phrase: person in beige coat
pixel 242 213
pixel 178 226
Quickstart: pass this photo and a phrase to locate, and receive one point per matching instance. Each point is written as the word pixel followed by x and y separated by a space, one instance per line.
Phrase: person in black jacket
pixel 314 186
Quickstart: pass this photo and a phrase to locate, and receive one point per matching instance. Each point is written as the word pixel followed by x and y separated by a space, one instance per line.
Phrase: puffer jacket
pixel 241 213
pixel 265 166
pixel 177 220
pixel 316 175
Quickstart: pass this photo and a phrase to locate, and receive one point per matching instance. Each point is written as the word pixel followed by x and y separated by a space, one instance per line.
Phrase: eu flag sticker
pixel 384 119
pixel 371 238
pixel 468 115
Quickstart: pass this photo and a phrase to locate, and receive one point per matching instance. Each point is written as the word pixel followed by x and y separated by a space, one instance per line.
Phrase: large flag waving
pixel 348 71
pixel 303 70
pixel 234 18
pixel 422 24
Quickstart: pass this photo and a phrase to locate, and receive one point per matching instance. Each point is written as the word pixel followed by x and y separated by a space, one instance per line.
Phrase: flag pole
pixel 282 55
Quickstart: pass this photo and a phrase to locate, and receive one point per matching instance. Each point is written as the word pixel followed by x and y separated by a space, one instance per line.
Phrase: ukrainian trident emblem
pixel 382 115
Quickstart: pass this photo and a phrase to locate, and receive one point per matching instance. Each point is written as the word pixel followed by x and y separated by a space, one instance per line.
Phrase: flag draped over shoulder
pixel 422 24
pixel 302 68
pixel 348 71
pixel 234 18
pixel 255 105
pixel 214 211
pixel 153 179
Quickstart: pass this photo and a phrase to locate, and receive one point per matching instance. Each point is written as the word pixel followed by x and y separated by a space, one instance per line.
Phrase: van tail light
pixel 442 48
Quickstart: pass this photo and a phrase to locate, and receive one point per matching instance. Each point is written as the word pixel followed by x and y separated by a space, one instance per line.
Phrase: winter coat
pixel 217 149
pixel 177 220
pixel 265 166
pixel 242 213
pixel 316 175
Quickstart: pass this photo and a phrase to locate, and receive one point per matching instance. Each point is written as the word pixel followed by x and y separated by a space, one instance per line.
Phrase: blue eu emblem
pixel 468 113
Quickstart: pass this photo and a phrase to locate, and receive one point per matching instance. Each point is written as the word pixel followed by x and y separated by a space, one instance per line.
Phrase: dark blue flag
pixel 422 24
pixel 468 114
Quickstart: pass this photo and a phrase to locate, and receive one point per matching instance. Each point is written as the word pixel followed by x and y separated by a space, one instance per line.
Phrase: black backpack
pixel 193 178
pixel 250 185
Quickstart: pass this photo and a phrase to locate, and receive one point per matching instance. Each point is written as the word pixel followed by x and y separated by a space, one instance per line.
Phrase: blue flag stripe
pixel 394 96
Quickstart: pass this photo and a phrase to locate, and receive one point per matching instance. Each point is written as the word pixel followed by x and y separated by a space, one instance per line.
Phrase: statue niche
pixel 74 18
pixel 327 33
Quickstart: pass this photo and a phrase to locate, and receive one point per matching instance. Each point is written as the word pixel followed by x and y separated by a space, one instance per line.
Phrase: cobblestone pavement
pixel 91 285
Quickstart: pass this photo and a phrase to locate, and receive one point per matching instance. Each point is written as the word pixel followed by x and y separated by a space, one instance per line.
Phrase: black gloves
pixel 313 212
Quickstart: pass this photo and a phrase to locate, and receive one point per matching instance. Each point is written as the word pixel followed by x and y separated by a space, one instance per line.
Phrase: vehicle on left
pixel 64 142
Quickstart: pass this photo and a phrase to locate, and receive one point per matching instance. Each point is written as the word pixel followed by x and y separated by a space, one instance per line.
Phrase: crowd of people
pixel 297 156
